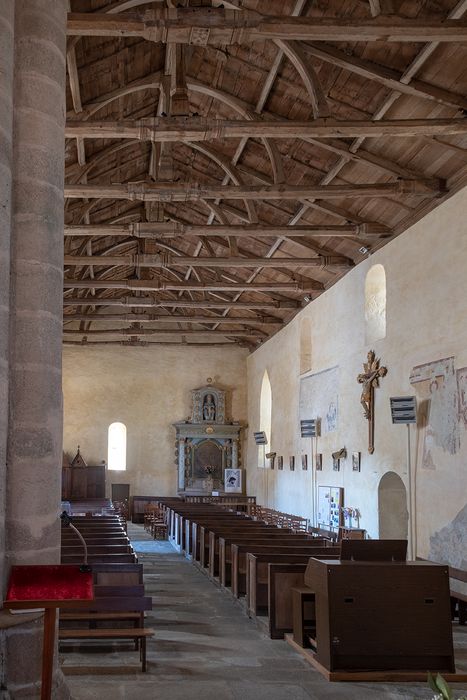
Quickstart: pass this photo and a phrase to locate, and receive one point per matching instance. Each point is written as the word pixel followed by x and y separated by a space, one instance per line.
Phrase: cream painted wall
pixel 426 272
pixel 148 389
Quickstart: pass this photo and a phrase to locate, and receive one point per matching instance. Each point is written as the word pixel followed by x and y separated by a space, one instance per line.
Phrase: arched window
pixel 265 417
pixel 375 304
pixel 117 447
pixel 305 345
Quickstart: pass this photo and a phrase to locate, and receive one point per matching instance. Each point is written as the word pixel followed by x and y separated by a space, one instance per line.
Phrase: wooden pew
pixel 256 560
pixel 274 535
pixel 220 542
pixel 114 608
pixel 99 558
pixel 209 535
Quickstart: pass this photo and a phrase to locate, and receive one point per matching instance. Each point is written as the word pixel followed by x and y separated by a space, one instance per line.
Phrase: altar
pixel 208 447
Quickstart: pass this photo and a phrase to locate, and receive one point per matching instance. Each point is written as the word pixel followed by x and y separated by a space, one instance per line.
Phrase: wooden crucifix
pixel 372 371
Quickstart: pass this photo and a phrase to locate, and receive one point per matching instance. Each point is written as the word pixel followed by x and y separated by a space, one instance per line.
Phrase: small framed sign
pixel 319 462
pixel 292 463
pixel 356 461
pixel 304 462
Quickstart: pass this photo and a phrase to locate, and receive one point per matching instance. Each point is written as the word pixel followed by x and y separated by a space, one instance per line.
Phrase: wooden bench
pixel 273 536
pixel 113 604
pixel 241 569
pixel 135 634
pixel 257 571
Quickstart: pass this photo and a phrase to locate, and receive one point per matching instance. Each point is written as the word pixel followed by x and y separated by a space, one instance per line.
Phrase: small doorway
pixel 393 514
pixel 121 492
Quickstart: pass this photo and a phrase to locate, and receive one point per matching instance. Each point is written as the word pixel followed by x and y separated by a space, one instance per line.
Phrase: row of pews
pixel 117 613
pixel 362 610
pixel 237 551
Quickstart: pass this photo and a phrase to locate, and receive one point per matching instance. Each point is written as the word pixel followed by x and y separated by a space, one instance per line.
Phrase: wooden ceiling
pixel 227 162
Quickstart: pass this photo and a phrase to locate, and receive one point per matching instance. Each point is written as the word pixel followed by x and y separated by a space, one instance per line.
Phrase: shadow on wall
pixel 393 515
pixel 449 545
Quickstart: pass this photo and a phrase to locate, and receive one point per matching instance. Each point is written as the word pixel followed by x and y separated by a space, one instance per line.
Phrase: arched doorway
pixel 393 515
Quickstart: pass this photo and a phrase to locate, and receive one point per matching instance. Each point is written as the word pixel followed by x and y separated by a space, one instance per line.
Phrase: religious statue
pixel 209 408
pixel 372 371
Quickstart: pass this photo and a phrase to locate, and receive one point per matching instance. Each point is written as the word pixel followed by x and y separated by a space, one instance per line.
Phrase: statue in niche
pixel 209 408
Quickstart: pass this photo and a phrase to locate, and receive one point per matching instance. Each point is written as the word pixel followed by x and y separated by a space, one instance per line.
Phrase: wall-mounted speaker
pixel 260 438
pixel 403 409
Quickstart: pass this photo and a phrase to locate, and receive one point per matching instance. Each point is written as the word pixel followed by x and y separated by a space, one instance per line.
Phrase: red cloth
pixel 52 582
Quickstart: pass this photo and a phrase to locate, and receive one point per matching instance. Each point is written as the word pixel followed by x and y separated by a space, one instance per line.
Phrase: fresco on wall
pixel 462 394
pixel 436 386
pixel 319 398
pixel 449 545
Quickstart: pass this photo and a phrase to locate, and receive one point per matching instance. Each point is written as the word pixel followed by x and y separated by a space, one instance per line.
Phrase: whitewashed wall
pixel 426 275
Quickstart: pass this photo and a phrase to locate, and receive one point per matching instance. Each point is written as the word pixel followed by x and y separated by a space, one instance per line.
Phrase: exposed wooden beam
pixel 388 77
pixel 184 192
pixel 162 285
pixel 164 331
pixel 148 302
pixel 206 129
pixel 151 318
pixel 168 261
pixel 203 26
pixel 171 229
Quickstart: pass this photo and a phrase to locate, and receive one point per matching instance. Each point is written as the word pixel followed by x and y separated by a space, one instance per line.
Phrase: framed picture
pixel 319 462
pixel 233 481
pixel 356 461
pixel 336 464
pixel 292 463
pixel 304 462
pixel 280 462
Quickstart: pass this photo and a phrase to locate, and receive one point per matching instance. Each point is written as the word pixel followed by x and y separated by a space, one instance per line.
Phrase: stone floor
pixel 206 648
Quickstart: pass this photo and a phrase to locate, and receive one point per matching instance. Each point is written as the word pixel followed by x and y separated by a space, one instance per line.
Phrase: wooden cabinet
pixel 381 615
pixel 82 481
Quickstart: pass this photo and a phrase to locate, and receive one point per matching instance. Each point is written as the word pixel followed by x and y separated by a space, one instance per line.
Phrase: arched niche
pixel 305 345
pixel 393 515
pixel 375 304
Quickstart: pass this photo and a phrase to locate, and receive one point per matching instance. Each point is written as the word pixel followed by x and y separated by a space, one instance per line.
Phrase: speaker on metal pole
pixel 309 428
pixel 403 409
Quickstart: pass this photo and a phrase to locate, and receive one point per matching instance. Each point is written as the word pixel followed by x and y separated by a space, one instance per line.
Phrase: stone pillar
pixel 35 394
pixel 6 148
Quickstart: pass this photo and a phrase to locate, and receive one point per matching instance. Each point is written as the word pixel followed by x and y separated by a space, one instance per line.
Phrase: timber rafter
pixel 202 210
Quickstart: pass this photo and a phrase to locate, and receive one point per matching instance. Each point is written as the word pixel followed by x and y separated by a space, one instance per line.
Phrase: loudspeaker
pixel 309 428
pixel 403 409
pixel 260 438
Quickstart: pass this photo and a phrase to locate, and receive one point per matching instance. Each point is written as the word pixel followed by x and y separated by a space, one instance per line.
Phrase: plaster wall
pixel 147 389
pixel 426 312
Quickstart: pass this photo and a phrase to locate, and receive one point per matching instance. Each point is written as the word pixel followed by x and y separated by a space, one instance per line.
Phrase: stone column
pixel 35 394
pixel 6 147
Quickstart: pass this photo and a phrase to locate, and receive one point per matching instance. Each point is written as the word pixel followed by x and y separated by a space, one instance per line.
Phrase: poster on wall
pixel 319 398
pixel 233 481
pixel 330 502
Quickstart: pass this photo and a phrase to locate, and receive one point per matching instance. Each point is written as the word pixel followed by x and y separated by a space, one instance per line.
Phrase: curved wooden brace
pixel 243 108
pixel 230 170
pixel 307 73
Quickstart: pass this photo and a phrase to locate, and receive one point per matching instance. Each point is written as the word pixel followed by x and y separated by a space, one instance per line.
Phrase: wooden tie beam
pixel 160 285
pixel 216 26
pixel 166 261
pixel 207 128
pixel 186 192
pixel 146 302
pixel 171 229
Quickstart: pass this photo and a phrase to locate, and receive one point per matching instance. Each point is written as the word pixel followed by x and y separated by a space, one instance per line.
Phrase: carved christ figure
pixel 370 379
